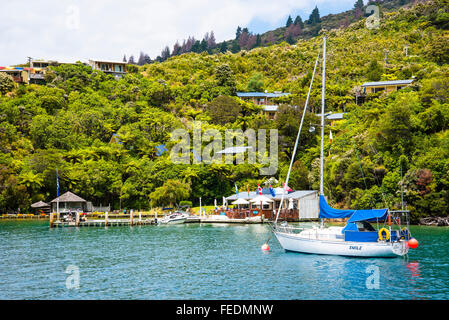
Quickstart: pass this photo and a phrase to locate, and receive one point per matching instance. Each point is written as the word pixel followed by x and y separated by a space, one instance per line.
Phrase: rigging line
pixel 361 169
pixel 297 137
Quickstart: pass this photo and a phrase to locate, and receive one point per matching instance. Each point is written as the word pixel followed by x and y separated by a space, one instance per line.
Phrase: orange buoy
pixel 413 243
pixel 265 247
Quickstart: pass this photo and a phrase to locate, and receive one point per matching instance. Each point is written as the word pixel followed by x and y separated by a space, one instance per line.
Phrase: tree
pixel 225 77
pixel 314 17
pixel 203 45
pixel 258 41
pixel 289 22
pixel 235 46
pixel 358 9
pixel 141 60
pixel 374 71
pixel 170 193
pixel 165 54
pixel 299 22
pixel 223 47
pixel 359 4
pixel 256 83
pixel 6 83
pixel 131 60
pixel 223 109
pixel 238 33
pixel 124 58
pixel 438 49
pixel 211 42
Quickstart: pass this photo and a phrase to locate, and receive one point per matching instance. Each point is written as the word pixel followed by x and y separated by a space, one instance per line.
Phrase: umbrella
pixel 240 201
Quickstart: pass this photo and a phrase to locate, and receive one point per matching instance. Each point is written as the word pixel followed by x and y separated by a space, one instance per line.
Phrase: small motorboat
pixel 176 217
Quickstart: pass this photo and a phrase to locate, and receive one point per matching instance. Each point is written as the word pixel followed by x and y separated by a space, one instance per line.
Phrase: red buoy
pixel 413 243
pixel 265 247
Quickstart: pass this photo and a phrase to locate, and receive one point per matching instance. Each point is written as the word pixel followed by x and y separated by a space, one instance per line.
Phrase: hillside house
pixel 116 68
pixel 265 100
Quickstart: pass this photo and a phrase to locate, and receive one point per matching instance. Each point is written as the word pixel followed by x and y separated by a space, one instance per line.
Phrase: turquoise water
pixel 204 262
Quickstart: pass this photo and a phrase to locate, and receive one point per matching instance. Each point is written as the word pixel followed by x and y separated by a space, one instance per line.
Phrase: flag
pixel 287 188
pixel 330 138
pixel 57 183
pixel 236 189
pixel 273 193
pixel 259 189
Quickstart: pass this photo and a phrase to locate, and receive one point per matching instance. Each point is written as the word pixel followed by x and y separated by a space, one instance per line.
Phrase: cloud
pixel 83 29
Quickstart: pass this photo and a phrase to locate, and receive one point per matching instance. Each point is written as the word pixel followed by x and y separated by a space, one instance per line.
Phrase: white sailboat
pixel 358 238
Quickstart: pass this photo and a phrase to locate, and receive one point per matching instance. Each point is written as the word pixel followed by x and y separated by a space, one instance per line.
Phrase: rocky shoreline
pixel 434 221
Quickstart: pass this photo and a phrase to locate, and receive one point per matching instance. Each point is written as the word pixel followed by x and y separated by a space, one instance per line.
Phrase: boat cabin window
pixel 364 226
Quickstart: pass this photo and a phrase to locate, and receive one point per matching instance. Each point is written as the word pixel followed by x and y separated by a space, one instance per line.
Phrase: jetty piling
pixel 51 219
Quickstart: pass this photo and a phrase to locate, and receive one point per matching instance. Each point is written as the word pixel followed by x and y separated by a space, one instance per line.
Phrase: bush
pixel 6 83
pixel 185 203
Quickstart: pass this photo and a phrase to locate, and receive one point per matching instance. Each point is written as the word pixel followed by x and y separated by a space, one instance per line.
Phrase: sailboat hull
pixel 292 242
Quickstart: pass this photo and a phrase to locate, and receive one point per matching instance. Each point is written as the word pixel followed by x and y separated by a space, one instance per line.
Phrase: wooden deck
pixel 102 223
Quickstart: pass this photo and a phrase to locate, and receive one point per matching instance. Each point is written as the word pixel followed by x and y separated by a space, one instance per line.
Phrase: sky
pixel 79 30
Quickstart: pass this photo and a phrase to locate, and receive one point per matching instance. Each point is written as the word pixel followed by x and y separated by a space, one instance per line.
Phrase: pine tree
pixel 196 46
pixel 124 58
pixel 223 47
pixel 141 60
pixel 314 17
pixel 131 60
pixel 235 46
pixel 165 54
pixel 203 45
pixel 211 41
pixel 299 22
pixel 359 4
pixel 258 41
pixel 238 33
pixel 289 22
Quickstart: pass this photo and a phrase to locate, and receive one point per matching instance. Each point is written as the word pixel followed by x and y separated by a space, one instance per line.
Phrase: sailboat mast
pixel 322 119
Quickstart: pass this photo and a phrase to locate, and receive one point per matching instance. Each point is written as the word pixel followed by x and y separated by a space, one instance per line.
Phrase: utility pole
pixel 30 65
pixel 406 50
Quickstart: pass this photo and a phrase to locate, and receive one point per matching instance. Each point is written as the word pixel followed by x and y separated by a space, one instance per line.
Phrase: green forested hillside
pixel 69 122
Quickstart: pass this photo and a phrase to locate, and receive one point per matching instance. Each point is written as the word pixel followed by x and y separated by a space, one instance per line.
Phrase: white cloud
pixel 82 29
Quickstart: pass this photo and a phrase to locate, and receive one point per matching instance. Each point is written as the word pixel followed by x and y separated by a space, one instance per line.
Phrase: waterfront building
pixel 298 204
pixel 68 202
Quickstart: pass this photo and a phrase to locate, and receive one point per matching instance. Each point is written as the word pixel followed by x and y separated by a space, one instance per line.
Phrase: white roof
pixel 233 150
pixel 107 61
pixel 297 194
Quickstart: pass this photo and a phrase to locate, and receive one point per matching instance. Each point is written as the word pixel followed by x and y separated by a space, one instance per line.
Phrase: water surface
pixel 207 261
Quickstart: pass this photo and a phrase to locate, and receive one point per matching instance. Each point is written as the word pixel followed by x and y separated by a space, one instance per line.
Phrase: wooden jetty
pixel 102 223
pixel 99 222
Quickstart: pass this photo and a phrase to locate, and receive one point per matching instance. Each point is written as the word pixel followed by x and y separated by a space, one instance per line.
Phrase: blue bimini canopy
pixel 369 215
pixel 327 211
